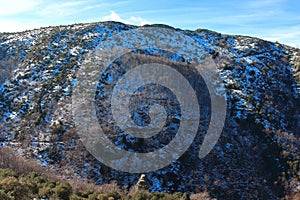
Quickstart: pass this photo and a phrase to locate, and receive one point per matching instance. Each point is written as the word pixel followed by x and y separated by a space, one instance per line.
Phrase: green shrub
pixel 30 181
pixel 142 195
pixel 25 184
pixel 185 196
pixel 50 184
pixel 86 193
pixel 63 191
pixel 155 198
pixel 5 173
pixel 146 195
pixel 4 196
pixel 14 188
pixel 115 195
pixel 93 196
pixel 75 197
pixel 45 192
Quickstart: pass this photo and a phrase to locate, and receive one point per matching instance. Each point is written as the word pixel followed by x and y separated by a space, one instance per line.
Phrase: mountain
pixel 256 156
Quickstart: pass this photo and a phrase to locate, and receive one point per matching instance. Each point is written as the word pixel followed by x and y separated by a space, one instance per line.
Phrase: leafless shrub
pixel 201 196
pixel 112 187
pixel 9 159
pixel 133 190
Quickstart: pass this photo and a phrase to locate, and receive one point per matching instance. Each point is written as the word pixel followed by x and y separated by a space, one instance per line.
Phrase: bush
pixel 201 196
pixel 146 195
pixel 114 195
pixel 6 173
pixel 4 196
pixel 63 191
pixel 21 179
pixel 75 197
pixel 142 195
pixel 31 184
pixel 14 188
pixel 45 192
pixel 9 159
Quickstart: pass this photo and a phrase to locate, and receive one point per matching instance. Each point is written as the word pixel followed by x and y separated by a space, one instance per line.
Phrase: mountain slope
pixel 257 155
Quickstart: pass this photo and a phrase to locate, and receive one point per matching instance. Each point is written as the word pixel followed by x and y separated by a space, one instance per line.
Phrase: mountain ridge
pixel 262 78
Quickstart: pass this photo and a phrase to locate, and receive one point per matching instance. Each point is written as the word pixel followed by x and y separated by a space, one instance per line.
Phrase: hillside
pixel 257 155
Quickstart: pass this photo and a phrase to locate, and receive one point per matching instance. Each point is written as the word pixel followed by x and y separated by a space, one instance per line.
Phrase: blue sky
pixel 275 20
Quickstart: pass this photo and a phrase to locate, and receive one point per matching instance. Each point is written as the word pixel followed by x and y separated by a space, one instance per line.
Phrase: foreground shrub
pixel 12 187
pixel 29 186
pixel 109 196
pixel 63 191
pixel 4 196
pixel 21 179
pixel 146 195
pixel 6 173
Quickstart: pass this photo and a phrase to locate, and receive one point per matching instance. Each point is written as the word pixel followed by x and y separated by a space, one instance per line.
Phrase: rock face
pixel 257 155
